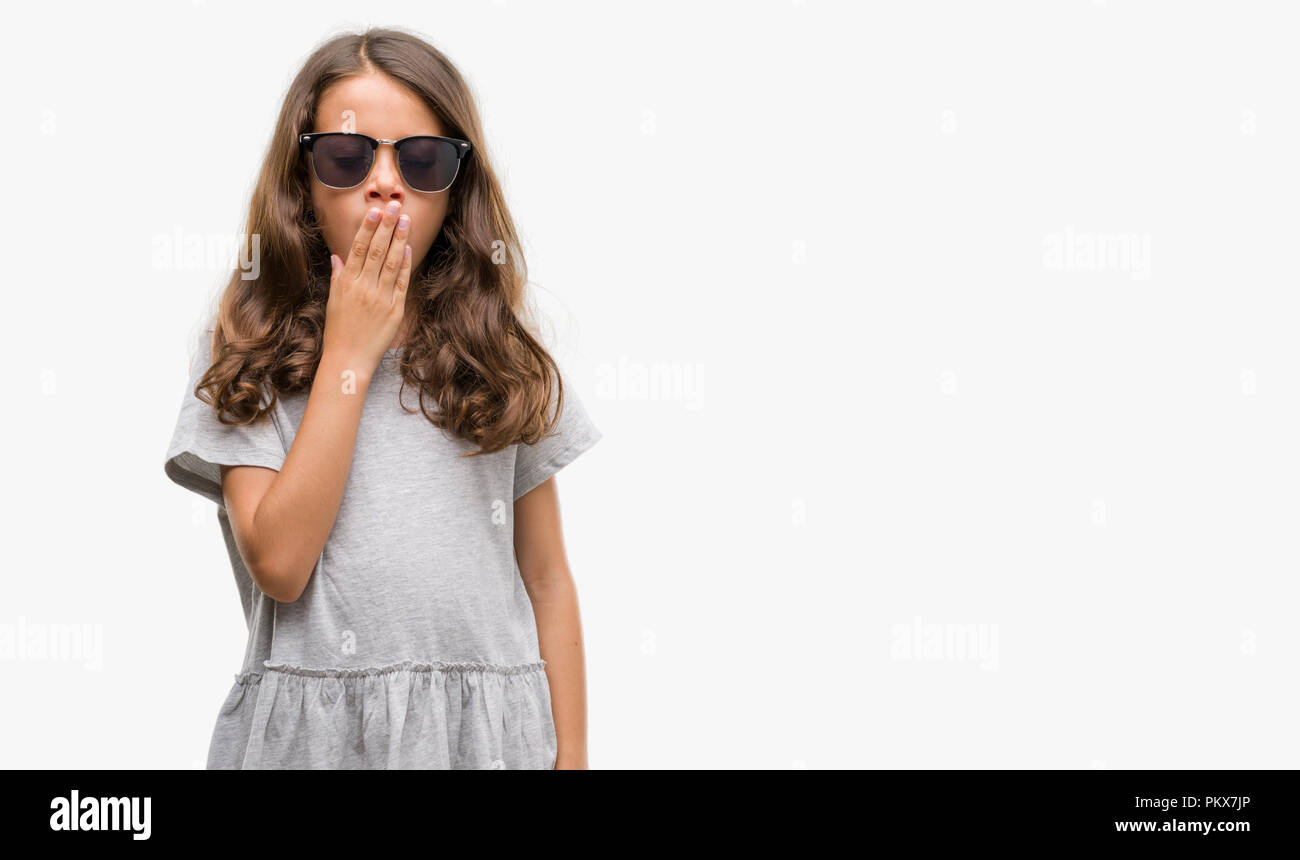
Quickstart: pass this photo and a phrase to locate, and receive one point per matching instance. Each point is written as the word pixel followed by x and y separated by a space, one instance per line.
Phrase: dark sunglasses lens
pixel 342 160
pixel 427 164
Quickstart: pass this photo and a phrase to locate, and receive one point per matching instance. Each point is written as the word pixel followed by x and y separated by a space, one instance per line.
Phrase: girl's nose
pixel 386 175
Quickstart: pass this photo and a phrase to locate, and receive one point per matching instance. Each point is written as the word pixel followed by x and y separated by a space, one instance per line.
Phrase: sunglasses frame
pixel 307 141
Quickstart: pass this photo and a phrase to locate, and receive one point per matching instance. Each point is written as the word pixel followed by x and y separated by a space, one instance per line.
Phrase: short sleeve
pixel 201 444
pixel 573 433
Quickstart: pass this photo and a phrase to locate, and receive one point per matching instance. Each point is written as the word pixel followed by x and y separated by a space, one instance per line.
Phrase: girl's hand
pixel 368 294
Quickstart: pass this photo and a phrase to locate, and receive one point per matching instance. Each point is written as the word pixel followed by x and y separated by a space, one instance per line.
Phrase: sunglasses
pixel 342 159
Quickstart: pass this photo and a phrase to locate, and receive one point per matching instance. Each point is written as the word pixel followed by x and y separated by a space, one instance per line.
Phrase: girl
pixel 402 570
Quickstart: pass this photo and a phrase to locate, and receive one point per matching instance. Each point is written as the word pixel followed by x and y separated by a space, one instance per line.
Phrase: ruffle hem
pixel 407 715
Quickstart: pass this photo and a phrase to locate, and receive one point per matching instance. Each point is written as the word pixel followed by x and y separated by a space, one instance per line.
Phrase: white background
pixel 882 411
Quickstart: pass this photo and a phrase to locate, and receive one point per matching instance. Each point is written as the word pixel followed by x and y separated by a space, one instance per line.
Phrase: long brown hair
pixel 471 352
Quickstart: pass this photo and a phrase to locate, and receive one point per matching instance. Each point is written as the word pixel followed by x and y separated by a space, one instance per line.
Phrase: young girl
pixel 401 567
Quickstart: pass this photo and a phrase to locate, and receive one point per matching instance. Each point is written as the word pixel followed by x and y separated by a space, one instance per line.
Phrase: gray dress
pixel 414 644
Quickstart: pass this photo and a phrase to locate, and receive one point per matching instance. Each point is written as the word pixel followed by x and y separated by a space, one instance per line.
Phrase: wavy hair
pixel 471 352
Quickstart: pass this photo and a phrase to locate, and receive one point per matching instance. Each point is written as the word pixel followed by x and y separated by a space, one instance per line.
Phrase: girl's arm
pixel 281 520
pixel 539 548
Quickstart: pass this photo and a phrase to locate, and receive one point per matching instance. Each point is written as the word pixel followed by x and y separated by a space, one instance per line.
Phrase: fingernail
pixel 373 215
pixel 403 221
pixel 394 207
